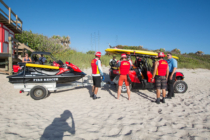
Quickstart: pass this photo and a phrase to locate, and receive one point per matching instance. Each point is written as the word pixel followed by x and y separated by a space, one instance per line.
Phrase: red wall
pixel 2 37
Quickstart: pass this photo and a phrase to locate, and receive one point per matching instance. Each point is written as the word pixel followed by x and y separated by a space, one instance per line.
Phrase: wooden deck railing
pixel 17 21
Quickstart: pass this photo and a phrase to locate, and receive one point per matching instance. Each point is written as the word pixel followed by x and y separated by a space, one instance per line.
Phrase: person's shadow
pixel 58 127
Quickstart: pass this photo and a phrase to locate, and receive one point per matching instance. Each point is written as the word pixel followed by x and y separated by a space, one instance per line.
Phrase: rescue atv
pixel 180 86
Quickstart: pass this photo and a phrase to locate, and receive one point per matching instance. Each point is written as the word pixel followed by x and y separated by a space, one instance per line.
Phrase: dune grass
pixel 83 60
pixel 193 61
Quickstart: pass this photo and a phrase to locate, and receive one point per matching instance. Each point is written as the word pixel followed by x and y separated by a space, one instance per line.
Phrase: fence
pixel 17 22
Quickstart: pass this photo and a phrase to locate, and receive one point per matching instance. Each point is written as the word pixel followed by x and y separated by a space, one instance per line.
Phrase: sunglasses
pixel 168 55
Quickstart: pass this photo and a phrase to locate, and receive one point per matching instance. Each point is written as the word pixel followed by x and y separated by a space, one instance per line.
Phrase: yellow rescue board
pixel 115 51
pixel 41 66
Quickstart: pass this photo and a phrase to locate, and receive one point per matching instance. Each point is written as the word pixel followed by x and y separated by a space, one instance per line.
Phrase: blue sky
pixel 154 24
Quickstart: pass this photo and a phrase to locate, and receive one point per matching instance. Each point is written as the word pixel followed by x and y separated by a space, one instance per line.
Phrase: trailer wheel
pixel 124 89
pixel 38 92
pixel 180 86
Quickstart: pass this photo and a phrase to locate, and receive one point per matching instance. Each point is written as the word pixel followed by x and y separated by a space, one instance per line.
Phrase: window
pixel 5 48
pixel 6 35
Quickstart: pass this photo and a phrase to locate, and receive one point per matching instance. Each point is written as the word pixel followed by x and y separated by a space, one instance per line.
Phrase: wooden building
pixel 10 24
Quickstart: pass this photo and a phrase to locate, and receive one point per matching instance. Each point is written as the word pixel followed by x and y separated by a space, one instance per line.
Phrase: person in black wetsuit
pixel 113 62
pixel 137 62
pixel 138 69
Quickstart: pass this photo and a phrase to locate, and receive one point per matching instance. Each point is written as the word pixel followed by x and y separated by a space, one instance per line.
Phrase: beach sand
pixel 72 114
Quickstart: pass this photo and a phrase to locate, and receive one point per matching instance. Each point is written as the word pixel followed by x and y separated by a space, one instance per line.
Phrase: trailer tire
pixel 38 92
pixel 124 89
pixel 180 86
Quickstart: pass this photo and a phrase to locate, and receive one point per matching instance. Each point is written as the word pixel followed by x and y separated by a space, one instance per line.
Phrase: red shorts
pixel 123 78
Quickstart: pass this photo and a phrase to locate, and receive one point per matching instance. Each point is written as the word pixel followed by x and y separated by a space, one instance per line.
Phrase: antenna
pixel 91 43
pixel 98 41
pixel 95 40
pixel 116 40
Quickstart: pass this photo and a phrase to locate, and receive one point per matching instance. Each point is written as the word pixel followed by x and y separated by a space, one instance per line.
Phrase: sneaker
pixel 163 100
pixel 92 95
pixel 95 97
pixel 158 101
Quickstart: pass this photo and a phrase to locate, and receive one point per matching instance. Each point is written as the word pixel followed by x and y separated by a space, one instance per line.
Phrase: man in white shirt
pixel 42 59
pixel 96 74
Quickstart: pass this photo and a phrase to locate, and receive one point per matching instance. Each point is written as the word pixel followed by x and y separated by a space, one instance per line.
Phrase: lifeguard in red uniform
pixel 161 73
pixel 124 67
pixel 96 74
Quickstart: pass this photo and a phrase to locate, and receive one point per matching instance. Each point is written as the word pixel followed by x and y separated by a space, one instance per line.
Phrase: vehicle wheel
pixel 38 92
pixel 180 86
pixel 124 89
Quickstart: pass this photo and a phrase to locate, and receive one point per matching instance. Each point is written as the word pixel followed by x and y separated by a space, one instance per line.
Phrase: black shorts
pixel 97 81
pixel 160 82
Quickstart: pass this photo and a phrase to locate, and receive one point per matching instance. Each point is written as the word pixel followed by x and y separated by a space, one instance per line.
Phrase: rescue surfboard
pixel 119 51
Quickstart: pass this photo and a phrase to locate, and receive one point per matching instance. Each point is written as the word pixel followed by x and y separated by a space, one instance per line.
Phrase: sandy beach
pixel 72 114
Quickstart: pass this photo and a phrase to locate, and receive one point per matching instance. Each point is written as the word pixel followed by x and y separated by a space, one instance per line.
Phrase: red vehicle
pixel 180 85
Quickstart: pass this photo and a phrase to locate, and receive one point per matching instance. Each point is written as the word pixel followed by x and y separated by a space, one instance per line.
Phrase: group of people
pixel 41 60
pixel 164 74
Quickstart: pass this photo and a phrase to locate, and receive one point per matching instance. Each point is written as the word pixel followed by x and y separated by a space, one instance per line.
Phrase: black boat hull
pixel 30 78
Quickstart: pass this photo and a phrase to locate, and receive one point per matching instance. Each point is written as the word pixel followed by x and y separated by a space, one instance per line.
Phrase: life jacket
pixel 162 67
pixel 94 67
pixel 124 68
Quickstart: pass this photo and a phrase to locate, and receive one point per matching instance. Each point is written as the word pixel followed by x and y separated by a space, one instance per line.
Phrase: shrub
pixel 40 42
pixel 90 52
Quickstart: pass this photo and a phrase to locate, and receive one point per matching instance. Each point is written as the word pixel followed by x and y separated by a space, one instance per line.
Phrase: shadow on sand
pixel 58 127
pixel 145 96
pixel 111 88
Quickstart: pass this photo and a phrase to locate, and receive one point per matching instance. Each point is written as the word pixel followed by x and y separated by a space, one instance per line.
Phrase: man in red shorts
pixel 124 67
pixel 161 73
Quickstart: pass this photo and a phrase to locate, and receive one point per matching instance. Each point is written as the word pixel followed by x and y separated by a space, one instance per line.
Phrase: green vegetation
pixel 194 61
pixel 130 47
pixel 40 42
pixel 82 60
pixel 59 47
pixel 90 52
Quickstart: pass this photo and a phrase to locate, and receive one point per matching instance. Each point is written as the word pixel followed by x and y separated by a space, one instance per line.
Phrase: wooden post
pixel 24 52
pixel 10 55
pixel 16 21
pixel 6 65
pixel 9 15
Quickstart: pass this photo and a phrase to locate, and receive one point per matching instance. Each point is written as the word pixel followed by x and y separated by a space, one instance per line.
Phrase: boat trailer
pixel 39 91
